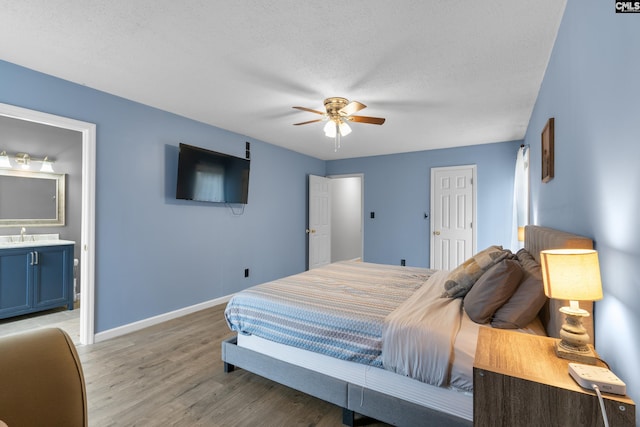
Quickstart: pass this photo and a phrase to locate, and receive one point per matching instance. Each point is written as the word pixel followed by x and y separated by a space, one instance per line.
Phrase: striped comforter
pixel 337 310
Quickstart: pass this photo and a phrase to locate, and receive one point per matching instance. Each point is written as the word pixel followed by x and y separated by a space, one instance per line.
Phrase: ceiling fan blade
pixel 365 119
pixel 352 107
pixel 309 110
pixel 310 121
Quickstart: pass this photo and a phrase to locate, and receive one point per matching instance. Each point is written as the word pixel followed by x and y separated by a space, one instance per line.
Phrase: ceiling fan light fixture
pixel 330 129
pixel 344 128
pixel 339 111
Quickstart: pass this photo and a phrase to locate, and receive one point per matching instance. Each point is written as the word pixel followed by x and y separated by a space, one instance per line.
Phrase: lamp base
pixel 573 344
pixel 577 354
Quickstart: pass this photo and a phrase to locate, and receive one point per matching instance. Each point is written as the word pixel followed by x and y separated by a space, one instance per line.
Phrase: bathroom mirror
pixel 29 198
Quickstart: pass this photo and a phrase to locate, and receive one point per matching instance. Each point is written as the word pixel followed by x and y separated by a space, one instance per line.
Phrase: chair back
pixel 41 380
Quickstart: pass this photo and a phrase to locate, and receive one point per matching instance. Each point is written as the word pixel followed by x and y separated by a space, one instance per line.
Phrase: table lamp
pixel 574 275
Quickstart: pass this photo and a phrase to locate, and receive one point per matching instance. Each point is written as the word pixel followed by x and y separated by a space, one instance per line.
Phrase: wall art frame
pixel 548 143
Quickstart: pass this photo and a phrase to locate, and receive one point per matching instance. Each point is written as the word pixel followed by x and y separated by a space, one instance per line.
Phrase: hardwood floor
pixel 171 374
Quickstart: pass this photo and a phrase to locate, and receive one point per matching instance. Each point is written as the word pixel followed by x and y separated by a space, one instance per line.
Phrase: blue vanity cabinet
pixel 35 278
pixel 15 276
pixel 53 277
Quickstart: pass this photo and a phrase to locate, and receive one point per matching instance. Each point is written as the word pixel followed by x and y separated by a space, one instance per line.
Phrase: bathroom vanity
pixel 36 273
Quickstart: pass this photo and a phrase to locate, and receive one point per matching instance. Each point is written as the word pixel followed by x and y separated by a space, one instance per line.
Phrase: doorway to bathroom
pixel 84 199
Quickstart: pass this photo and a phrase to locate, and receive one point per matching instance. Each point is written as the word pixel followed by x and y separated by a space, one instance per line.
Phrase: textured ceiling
pixel 443 73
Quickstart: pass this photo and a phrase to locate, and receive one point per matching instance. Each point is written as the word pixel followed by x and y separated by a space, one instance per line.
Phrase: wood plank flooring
pixel 171 374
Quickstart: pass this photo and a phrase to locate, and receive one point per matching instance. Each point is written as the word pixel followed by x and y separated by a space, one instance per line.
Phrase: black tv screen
pixel 208 176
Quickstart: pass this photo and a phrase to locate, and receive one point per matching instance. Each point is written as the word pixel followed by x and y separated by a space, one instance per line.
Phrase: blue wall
pixel 591 88
pixel 397 189
pixel 155 254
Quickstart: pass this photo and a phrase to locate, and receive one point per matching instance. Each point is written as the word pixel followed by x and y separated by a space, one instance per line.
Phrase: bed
pixel 381 363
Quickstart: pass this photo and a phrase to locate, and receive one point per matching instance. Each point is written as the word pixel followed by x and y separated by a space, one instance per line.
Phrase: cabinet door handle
pixel 37 257
pixel 33 258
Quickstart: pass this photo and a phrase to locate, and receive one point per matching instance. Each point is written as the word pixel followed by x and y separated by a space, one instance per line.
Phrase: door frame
pixel 361 176
pixel 87 227
pixel 474 219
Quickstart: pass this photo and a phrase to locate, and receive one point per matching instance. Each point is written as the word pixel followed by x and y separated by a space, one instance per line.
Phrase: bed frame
pixel 381 406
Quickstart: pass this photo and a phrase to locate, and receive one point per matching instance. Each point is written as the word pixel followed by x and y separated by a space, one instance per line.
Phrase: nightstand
pixel 519 381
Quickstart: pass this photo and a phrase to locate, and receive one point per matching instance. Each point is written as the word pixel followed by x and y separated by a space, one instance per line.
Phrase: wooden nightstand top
pixel 528 357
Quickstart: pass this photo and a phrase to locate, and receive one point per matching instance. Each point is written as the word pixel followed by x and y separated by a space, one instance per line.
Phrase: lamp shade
pixel 47 166
pixel 571 274
pixel 344 128
pixel 4 160
pixel 330 129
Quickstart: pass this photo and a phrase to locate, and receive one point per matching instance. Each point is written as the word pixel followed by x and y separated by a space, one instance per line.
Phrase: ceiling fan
pixel 339 112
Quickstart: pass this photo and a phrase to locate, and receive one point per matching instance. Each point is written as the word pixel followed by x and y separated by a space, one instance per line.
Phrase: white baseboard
pixel 145 323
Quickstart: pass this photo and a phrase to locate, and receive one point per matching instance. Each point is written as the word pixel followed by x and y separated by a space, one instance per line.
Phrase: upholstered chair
pixel 41 380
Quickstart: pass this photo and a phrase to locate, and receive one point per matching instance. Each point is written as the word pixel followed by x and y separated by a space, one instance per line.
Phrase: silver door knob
pixel 436 233
pixel 310 231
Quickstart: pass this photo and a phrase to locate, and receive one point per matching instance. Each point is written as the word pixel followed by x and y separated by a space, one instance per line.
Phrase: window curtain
pixel 520 198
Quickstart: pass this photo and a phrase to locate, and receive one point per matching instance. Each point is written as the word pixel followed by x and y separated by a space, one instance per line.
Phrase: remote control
pixel 588 376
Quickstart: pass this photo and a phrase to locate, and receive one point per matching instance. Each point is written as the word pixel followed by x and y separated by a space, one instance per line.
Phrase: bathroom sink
pixel 30 240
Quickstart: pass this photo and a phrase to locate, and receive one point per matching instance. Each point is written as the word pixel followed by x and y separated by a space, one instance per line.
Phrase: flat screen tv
pixel 208 176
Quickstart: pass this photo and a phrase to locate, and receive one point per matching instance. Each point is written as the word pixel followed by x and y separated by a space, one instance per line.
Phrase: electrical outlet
pixel 246 272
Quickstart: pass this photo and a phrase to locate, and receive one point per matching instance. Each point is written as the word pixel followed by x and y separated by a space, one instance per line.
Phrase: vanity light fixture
pixel 4 160
pixel 25 160
pixel 47 165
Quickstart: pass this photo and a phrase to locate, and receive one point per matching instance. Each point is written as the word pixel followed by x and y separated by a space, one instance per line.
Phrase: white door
pixel 319 230
pixel 452 216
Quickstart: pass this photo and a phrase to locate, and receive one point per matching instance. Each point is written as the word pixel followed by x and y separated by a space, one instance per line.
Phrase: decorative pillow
pixel 492 290
pixel 527 261
pixel 462 278
pixel 524 305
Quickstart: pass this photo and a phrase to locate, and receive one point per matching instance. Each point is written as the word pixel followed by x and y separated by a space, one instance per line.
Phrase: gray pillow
pixel 492 290
pixel 527 261
pixel 527 301
pixel 462 278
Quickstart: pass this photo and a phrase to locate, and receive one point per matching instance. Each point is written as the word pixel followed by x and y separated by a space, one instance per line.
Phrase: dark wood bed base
pixel 351 398
pixel 378 405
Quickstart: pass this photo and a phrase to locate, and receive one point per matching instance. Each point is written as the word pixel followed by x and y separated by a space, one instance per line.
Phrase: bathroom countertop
pixel 32 240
